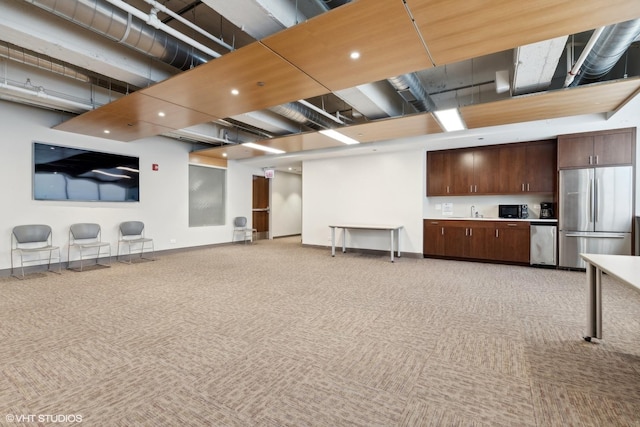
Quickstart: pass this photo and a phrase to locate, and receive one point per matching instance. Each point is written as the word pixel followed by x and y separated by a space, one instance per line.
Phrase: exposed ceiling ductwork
pixel 118 25
pixel 612 43
pixel 410 88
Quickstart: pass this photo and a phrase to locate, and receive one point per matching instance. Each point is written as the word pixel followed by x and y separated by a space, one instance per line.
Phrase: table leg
pixel 398 236
pixel 333 241
pixel 392 245
pixel 594 303
pixel 344 240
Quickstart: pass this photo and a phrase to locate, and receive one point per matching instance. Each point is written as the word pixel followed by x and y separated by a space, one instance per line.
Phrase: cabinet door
pixel 479 243
pixel 438 182
pixel 512 242
pixel 433 238
pixel 512 169
pixel 461 171
pixel 575 151
pixel 456 243
pixel 486 171
pixel 613 149
pixel 540 167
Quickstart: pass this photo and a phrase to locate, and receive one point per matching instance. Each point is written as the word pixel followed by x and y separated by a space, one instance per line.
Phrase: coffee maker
pixel 546 210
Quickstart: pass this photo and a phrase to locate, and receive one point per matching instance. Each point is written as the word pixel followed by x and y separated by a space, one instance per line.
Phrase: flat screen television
pixel 65 173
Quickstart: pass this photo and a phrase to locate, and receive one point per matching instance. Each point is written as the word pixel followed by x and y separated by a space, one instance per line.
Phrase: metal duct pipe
pixel 105 19
pixel 420 99
pixel 301 114
pixel 23 56
pixel 611 45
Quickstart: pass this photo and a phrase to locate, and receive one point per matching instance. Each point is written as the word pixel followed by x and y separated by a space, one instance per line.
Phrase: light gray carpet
pixel 276 334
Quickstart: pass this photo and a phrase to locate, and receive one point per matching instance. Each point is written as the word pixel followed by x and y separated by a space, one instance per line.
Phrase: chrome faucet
pixel 473 211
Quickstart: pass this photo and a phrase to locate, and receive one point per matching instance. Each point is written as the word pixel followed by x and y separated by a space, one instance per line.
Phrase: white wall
pixel 368 189
pixel 163 202
pixel 286 204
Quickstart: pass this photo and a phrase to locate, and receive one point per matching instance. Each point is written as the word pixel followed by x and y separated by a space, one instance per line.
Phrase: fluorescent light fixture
pixel 263 148
pixel 339 137
pixel 450 119
pixel 110 174
pixel 126 168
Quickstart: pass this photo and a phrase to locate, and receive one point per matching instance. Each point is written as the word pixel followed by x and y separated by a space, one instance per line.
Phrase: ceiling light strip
pixel 263 148
pixel 339 137
pixel 450 120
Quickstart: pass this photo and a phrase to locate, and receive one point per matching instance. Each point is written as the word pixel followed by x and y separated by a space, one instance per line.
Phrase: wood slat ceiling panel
pixel 459 30
pixel 233 152
pixel 595 98
pixel 380 30
pixel 290 144
pixel 302 142
pixel 137 108
pixel 403 127
pixel 94 123
pixel 207 88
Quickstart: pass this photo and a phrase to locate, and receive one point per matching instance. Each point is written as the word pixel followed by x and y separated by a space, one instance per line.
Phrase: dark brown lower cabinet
pixel 499 241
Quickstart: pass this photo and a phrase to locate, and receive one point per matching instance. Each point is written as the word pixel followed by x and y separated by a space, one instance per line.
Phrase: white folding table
pixel 624 268
pixel 392 229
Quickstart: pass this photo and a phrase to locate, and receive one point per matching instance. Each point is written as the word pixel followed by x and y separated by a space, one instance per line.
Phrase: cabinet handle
pixel 596 160
pixel 523 186
pixel 435 222
pixel 442 231
pixel 496 232
pixel 512 225
pixel 475 187
pixel 470 232
pixel 466 232
pixel 447 189
pixel 590 160
pixel 527 186
pixel 471 189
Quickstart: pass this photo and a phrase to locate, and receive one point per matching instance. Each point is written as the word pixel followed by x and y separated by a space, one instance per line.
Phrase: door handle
pixel 596 208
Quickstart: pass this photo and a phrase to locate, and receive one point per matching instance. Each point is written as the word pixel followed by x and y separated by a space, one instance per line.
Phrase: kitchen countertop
pixel 454 218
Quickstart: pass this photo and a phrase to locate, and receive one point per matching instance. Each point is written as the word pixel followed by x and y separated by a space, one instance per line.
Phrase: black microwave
pixel 513 211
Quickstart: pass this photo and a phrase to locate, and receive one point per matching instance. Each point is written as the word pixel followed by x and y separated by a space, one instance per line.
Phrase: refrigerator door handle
pixel 598 235
pixel 591 200
pixel 596 207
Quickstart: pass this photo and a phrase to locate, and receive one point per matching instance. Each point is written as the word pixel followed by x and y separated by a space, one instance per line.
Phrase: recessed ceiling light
pixel 106 131
pixel 354 55
pixel 161 114
pixel 224 154
pixel 235 91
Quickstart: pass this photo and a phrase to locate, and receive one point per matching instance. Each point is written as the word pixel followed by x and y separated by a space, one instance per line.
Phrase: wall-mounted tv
pixel 65 173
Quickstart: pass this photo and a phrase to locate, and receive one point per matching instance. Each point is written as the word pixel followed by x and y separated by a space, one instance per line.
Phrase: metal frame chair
pixel 33 239
pixel 87 236
pixel 240 226
pixel 132 233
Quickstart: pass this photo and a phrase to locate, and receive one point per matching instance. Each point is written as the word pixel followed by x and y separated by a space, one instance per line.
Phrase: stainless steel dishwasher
pixel 543 244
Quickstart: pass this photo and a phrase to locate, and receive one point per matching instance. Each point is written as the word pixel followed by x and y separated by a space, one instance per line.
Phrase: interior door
pixel 261 206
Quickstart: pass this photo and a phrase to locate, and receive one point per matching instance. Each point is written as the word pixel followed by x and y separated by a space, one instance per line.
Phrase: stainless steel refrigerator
pixel 595 213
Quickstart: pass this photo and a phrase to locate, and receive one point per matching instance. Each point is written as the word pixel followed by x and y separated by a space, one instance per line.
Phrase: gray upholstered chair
pixel 240 228
pixel 30 240
pixel 87 239
pixel 132 234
